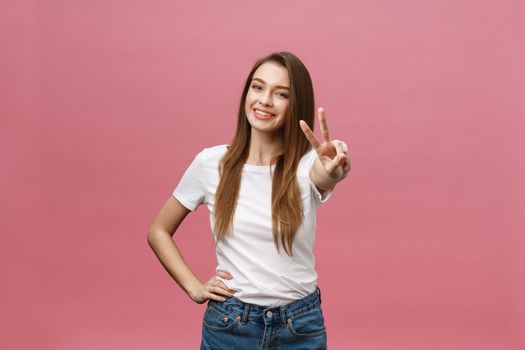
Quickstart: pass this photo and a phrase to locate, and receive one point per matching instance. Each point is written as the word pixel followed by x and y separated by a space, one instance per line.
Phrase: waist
pixel 234 306
pixel 268 288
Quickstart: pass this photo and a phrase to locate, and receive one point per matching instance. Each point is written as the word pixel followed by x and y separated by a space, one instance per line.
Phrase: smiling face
pixel 267 97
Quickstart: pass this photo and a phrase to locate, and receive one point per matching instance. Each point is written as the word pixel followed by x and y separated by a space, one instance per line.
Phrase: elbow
pixel 150 237
pixel 153 235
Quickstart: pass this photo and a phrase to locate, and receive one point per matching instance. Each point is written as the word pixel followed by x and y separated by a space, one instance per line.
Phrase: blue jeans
pixel 233 324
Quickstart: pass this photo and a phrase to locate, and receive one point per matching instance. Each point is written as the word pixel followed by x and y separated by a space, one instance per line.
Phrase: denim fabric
pixel 235 325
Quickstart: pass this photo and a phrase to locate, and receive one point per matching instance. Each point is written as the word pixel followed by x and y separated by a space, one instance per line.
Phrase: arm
pixel 320 178
pixel 160 240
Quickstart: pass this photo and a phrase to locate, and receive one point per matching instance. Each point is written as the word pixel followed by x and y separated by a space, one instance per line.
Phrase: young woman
pixel 262 191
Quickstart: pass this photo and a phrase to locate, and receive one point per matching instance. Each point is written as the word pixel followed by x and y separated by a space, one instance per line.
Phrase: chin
pixel 269 129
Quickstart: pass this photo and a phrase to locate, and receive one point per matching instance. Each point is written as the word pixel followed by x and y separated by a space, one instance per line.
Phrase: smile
pixel 262 115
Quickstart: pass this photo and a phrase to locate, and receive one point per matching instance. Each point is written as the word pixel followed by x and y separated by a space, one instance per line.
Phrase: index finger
pixel 309 134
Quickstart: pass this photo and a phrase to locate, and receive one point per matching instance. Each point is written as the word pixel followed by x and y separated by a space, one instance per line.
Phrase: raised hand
pixel 333 154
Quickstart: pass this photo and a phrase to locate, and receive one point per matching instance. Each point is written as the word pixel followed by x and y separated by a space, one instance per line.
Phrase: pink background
pixel 104 104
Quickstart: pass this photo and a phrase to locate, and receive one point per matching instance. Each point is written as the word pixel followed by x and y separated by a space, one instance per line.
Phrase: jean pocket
pixel 308 324
pixel 217 320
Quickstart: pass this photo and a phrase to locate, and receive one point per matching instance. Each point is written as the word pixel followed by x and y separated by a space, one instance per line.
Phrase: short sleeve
pixel 190 189
pixel 312 156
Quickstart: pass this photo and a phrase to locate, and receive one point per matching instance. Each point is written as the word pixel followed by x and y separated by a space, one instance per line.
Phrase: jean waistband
pixel 277 313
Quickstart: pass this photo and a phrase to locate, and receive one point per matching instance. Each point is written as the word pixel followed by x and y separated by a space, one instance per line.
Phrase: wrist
pixel 326 183
pixel 192 288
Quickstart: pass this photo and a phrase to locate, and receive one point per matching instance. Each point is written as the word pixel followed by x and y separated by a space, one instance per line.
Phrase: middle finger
pixel 323 125
pixel 221 291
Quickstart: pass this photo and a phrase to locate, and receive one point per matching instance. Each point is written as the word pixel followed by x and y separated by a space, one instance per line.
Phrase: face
pixel 267 97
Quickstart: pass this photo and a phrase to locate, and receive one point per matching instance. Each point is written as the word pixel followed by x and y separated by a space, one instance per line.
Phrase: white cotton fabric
pixel 261 275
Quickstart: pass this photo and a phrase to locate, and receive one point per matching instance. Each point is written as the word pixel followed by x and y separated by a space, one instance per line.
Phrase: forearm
pixel 170 257
pixel 320 178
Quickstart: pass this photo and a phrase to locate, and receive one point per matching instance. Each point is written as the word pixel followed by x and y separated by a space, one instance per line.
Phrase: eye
pixel 282 94
pixel 255 86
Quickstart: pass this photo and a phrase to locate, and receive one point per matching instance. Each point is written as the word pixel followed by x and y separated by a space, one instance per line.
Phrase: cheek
pixel 247 104
pixel 249 101
pixel 282 116
pixel 283 108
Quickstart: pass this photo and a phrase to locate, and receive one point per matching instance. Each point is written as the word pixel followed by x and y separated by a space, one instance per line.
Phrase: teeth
pixel 261 112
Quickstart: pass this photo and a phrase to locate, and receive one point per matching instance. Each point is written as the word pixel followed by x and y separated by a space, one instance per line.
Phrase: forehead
pixel 272 73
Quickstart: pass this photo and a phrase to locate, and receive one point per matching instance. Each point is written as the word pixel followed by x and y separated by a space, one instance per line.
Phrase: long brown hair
pixel 287 208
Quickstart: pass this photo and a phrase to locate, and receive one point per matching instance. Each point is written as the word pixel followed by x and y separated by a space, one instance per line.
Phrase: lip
pixel 262 110
pixel 261 117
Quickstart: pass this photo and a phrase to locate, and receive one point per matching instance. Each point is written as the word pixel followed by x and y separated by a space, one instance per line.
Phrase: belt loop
pixel 319 292
pixel 245 313
pixel 283 314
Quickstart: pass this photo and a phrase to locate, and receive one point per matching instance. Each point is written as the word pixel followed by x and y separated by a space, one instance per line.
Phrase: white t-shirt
pixel 260 275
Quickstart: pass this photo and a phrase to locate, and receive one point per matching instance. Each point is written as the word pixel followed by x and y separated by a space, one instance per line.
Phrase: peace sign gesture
pixel 333 154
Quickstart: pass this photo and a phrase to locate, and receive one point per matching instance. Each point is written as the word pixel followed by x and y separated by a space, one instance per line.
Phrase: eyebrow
pixel 277 86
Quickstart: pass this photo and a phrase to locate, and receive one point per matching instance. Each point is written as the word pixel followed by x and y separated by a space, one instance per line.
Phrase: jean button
pixel 269 314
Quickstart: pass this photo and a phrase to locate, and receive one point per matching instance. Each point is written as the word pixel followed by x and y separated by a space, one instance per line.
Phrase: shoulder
pixel 212 153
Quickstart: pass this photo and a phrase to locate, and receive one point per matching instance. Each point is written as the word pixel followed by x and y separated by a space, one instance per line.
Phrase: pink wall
pixel 104 103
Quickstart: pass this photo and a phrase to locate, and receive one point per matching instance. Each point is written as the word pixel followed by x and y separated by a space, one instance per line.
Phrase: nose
pixel 266 99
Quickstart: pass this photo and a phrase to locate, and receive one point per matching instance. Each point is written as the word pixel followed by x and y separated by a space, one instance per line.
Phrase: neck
pixel 263 147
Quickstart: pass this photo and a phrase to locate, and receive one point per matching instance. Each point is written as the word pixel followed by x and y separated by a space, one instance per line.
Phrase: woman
pixel 262 191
